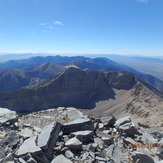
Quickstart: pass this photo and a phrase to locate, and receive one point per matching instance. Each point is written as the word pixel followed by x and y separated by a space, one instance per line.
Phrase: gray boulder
pixel 108 152
pixel 22 160
pixel 108 120
pixel 122 121
pixel 148 138
pixel 2 134
pixel 9 158
pixel 77 125
pixel 61 159
pixel 74 144
pixel 2 155
pixel 159 161
pixel 83 136
pixel 141 158
pixel 118 154
pixel 107 141
pixel 73 114
pixel 48 137
pixel 29 146
pixel 69 154
pixel 126 127
pixel 131 143
pixel 12 139
pixel 26 133
pixel 7 116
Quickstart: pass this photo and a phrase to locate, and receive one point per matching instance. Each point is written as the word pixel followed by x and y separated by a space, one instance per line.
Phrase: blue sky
pixel 82 26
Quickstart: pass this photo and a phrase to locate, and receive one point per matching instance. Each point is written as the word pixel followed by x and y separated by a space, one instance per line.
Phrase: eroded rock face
pixel 86 139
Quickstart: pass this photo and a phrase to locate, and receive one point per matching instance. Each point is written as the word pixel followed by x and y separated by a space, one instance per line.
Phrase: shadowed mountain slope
pixel 14 79
pixel 117 92
pixel 104 64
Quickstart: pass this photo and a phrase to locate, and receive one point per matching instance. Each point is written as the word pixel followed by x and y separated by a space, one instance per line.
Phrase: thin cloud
pixel 144 1
pixel 58 23
pixel 42 24
pixel 51 27
pixel 44 31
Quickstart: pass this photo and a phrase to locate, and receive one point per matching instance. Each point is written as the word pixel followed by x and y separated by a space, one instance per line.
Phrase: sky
pixel 82 26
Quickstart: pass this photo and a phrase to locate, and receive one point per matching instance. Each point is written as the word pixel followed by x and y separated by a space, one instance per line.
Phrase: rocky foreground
pixel 65 135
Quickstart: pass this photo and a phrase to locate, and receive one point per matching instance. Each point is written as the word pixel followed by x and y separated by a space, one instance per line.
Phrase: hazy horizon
pixel 78 54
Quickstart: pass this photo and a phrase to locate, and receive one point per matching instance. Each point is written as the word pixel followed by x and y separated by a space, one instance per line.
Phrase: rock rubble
pixel 76 138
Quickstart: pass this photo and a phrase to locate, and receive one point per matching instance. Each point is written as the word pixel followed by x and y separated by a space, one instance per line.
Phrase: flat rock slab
pixel 12 138
pixel 123 121
pixel 126 127
pixel 77 125
pixel 118 155
pixel 26 133
pixel 61 159
pixel 108 120
pixel 73 114
pixel 29 146
pixel 148 138
pixel 48 137
pixel 7 116
pixel 83 136
pixel 74 144
pixel 48 133
pixel 141 158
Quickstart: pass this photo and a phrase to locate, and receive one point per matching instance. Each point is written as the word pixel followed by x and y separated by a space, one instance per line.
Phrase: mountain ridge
pixel 116 92
pixel 101 63
pixel 15 79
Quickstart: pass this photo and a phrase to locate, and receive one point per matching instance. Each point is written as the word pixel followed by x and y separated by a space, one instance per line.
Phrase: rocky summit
pixel 66 135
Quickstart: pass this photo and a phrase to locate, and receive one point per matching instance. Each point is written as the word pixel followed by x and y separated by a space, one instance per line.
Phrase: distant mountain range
pixel 36 61
pixel 144 64
pixel 26 73
pixel 98 86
